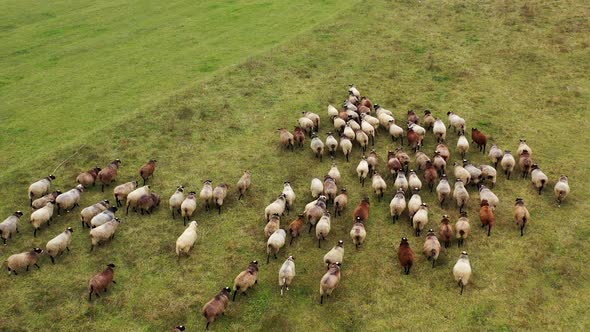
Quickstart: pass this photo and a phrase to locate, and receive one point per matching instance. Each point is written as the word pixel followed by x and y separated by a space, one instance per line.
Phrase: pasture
pixel 512 69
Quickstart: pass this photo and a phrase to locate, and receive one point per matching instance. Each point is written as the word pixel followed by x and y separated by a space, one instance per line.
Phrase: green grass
pixel 512 69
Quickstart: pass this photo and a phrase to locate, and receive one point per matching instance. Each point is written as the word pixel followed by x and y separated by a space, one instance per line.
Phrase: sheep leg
pixel 52 260
pixel 35 233
pixel 310 226
pixel 240 197
pixel 319 242
pixel 347 160
pixel 461 284
pixel 219 208
pixel 234 297
pixel 276 256
pixel 322 299
pixel 291 242
pixel 433 261
pixel 102 188
pixel 522 230
pixel 90 295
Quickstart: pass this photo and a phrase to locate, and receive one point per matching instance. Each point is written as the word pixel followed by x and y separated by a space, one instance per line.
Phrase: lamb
pixel 188 207
pixel 358 234
pixel 101 281
pixel 246 279
pixel 42 216
pixel 421 160
pixel 330 281
pixel 216 306
pixel 460 195
pixel 278 207
pixel 316 188
pixel 428 120
pixel 186 240
pixel 420 219
pixel 480 139
pixel 474 172
pixel 332 111
pixel 299 135
pixel 335 173
pixel 462 270
pixel 488 195
pixel 346 146
pixel 18 261
pixel 134 196
pixel 538 178
pixel 457 122
pixel 289 195
pixel 431 175
pixel 295 227
pixel 275 242
pixel 272 225
pixel 10 226
pixel 414 203
pixel 336 254
pixel 176 200
pixel 206 194
pixel 561 189
pixel 443 190
pixel 219 194
pixel 89 177
pixel 42 201
pixel 148 170
pixel 403 157
pixel 397 205
pixel 521 215
pixel 340 202
pixel 405 255
pixel 316 212
pixel 362 139
pixel 439 163
pixel 313 117
pixel 462 229
pixel 446 231
pixel 148 202
pixel 40 188
pixel 330 188
pixel 525 162
pixel 332 144
pixel 486 215
pixel 121 191
pixel 108 174
pixel 104 232
pixel 495 155
pixel 414 180
pixel 401 182
pixel 322 228
pixel 431 247
pixel 287 273
pixel 439 130
pixel 244 183
pixel 463 145
pixel 379 186
pixel 396 131
pixel 522 146
pixel 69 200
pixel 103 217
pixel 286 138
pixel 306 124
pixel 362 210
pixel 317 146
pixel 58 244
pixel 507 163
pixel 488 173
pixel 362 170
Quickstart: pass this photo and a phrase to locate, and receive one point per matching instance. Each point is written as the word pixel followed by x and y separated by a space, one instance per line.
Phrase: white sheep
pixel 309 206
pixel 508 163
pixel 188 207
pixel 462 145
pixel 523 146
pixel 396 132
pixel 306 123
pixel 488 173
pixel 10 226
pixel 462 229
pixel 332 111
pixel 462 173
pixel 103 217
pixel 339 124
pixel 40 188
pixel 381 110
pixel 316 188
pixel 462 270
pixel 346 146
pixel 495 154
pixel 362 170
pixel 414 180
pixel 219 194
pixel 89 212
pixel 457 122
pixel 69 200
pixel 414 203
pixel 439 130
pixel 121 191
pixel 385 120
pixel 24 259
pixel 397 205
pixel 313 117
pixel 354 91
pixel 401 182
pixel 278 206
pixel 41 201
pixel 443 190
pixel 340 202
pixel 322 228
pixel 421 160
pixel 348 132
pixel 334 173
pixel 272 225
pixel 362 139
pixel 420 219
pixel 373 121
pixel 104 232
pixel 186 240
pixel 336 254
pixel 176 200
pixel 332 144
pixel 431 247
pixel 368 130
pixel 330 281
pixel 317 146
pixel 474 172
pixel 379 185
pixel 289 195
pixel 206 194
pixel 460 194
pixel 358 233
pixel 134 196
pixel 561 189
pixel 275 242
pixel 488 195
pixel 287 273
pixel 58 244
pixel 538 178
pixel 42 216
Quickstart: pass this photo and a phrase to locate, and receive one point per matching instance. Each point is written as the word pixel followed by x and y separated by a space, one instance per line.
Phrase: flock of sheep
pixel 357 123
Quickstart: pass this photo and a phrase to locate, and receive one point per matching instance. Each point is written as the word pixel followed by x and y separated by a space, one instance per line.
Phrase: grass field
pixel 513 69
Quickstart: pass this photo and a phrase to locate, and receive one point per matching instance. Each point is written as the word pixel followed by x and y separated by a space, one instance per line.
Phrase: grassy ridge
pixel 67 69
pixel 511 70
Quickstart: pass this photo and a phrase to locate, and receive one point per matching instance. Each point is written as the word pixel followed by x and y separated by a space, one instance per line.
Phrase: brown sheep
pixel 89 177
pixel 486 215
pixel 295 227
pixel 480 139
pixel 108 175
pixel 521 214
pixel 299 135
pixel 148 202
pixel 244 183
pixel 405 255
pixel 246 279
pixel 287 139
pixel 362 211
pixel 101 281
pixel 216 306
pixel 446 231
pixel 525 162
pixel 147 170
